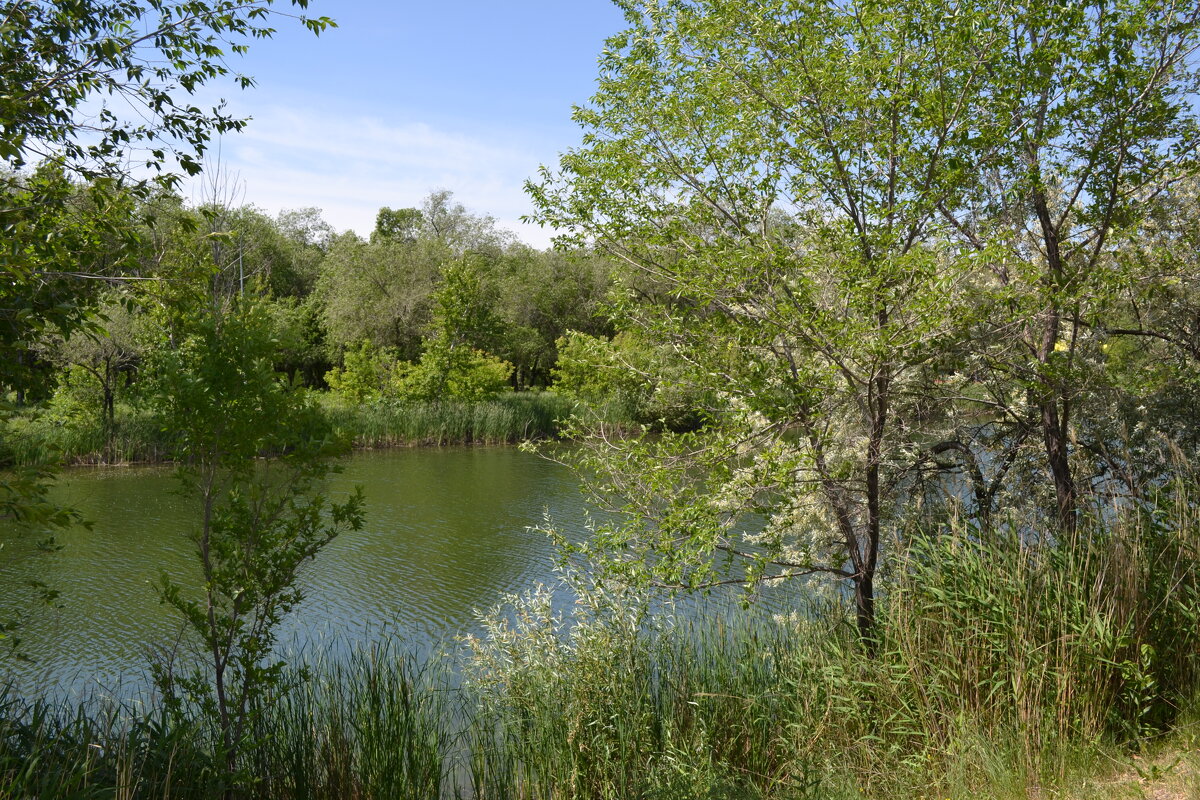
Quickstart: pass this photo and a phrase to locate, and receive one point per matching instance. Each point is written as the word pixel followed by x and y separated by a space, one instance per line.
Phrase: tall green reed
pixel 136 437
pixel 507 419
pixel 139 437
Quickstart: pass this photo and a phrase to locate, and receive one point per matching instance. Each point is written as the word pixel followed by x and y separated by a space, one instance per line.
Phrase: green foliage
pixel 384 290
pixel 542 295
pixel 401 224
pixel 886 236
pixel 379 291
pixel 464 306
pixel 58 64
pixel 589 369
pixel 258 523
pixel 144 54
pixel 55 233
pixel 450 373
pixel 442 373
pixel 301 352
pixel 626 378
pixel 443 272
pixel 137 436
pixel 464 319
pixel 449 368
pixel 365 374
pixel 98 366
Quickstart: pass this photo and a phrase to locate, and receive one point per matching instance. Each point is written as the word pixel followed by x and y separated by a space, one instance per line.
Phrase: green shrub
pixel 630 380
pixel 365 374
pixel 451 374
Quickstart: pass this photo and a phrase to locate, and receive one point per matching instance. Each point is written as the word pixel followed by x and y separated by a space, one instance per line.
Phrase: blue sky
pixel 403 98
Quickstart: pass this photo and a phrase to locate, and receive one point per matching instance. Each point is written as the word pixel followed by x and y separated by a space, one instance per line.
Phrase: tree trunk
pixel 1054 425
pixel 864 609
pixel 109 423
pixel 1057 456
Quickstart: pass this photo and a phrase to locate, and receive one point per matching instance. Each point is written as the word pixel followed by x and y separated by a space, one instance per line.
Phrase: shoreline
pixel 138 441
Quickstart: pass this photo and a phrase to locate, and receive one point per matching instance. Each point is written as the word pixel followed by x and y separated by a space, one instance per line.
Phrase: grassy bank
pixel 138 437
pixel 35 437
pixel 1003 669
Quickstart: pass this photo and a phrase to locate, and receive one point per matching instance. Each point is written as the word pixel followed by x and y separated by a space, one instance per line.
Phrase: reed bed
pixel 138 436
pixel 1006 666
pixel 508 419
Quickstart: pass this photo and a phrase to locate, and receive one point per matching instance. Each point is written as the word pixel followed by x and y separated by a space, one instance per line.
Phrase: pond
pixel 447 532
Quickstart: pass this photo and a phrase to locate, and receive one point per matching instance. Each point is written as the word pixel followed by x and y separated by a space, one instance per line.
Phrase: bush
pixel 630 380
pixel 442 373
pixel 365 374
pixel 454 374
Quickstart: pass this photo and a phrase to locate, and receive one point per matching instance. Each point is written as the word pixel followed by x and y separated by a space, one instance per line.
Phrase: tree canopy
pixel 98 92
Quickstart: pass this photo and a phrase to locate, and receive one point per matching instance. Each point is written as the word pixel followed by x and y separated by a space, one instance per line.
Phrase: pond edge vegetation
pixel 1001 664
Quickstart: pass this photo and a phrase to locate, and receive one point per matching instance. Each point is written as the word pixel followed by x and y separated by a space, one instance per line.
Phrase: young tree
pixel 768 171
pixel 107 357
pixel 259 521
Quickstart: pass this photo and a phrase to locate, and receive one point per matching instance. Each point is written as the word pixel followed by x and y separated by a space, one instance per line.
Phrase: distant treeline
pixel 438 308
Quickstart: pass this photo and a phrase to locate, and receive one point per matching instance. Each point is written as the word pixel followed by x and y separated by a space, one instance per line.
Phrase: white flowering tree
pixel 848 220
pixel 782 223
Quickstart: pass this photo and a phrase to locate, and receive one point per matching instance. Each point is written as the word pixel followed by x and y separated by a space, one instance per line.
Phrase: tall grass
pixel 1005 666
pixel 378 725
pixel 1002 664
pixel 507 419
pixel 138 436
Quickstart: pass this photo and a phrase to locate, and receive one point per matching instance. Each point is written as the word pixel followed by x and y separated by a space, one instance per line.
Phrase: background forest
pixel 438 305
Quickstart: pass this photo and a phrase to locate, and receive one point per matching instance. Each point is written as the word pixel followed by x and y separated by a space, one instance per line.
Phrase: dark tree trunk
pixel 1054 435
pixel 1054 424
pixel 879 402
pixel 864 609
pixel 109 423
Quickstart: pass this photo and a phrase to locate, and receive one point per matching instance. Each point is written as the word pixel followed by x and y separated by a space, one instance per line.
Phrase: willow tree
pixel 257 522
pixel 1089 117
pixel 799 188
pixel 773 174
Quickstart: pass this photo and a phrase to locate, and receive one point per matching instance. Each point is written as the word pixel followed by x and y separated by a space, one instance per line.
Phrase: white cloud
pixel 350 167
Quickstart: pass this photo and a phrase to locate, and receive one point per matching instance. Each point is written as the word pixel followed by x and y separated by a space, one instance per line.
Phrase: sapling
pixel 260 519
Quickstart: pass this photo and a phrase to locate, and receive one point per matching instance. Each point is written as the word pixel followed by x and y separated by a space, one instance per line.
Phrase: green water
pixel 446 534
